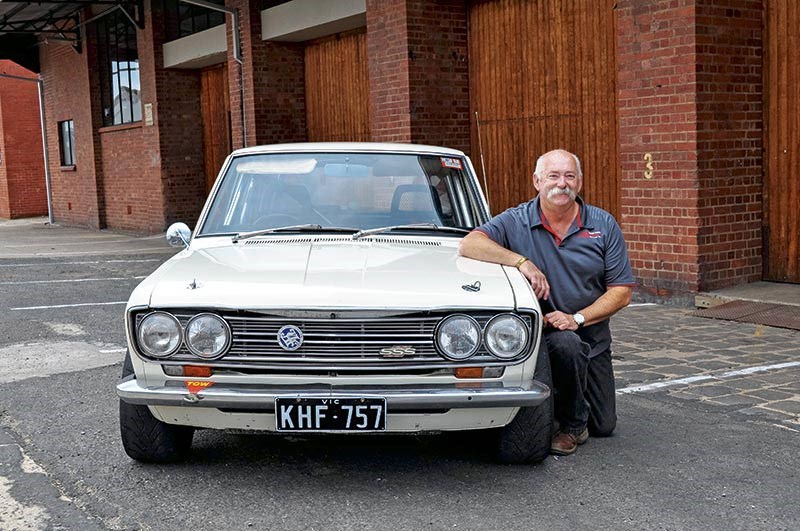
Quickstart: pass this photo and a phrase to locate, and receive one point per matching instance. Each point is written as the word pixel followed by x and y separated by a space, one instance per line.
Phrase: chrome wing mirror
pixel 178 235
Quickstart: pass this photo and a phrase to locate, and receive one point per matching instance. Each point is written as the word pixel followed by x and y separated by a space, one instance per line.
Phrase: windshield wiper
pixel 308 227
pixel 415 226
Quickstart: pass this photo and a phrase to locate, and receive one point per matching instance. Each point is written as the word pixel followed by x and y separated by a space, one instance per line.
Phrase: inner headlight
pixel 159 334
pixel 207 336
pixel 458 337
pixel 506 336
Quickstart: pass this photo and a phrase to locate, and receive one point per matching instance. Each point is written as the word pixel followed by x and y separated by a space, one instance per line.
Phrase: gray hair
pixel 540 162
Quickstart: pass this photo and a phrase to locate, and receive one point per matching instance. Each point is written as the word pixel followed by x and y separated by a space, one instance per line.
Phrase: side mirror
pixel 178 235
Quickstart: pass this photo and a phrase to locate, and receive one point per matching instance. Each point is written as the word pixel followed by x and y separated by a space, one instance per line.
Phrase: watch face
pixel 579 319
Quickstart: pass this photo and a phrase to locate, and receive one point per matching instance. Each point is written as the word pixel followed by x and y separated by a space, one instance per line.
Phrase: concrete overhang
pixel 302 20
pixel 201 49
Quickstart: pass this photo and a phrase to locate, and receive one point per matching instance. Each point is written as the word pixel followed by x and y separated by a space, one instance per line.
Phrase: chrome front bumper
pixel 398 398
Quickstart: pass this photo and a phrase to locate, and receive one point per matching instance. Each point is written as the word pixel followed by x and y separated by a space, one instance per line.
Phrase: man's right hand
pixel 537 279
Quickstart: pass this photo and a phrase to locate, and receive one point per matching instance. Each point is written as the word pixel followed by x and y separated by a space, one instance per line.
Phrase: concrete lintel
pixel 301 20
pixel 204 48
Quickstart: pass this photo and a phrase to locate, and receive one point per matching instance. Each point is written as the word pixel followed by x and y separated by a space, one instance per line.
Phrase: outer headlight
pixel 506 336
pixel 208 336
pixel 458 337
pixel 159 334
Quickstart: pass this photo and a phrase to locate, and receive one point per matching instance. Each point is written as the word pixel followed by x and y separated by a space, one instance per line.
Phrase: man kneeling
pixel 575 258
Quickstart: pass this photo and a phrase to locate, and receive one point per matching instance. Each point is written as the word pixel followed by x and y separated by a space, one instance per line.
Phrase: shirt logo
pixel 590 234
pixel 290 338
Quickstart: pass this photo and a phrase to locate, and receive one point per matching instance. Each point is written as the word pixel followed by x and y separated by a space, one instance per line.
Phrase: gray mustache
pixel 559 191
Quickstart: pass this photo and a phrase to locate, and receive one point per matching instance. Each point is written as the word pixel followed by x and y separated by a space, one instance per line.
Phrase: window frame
pixel 118 62
pixel 67 158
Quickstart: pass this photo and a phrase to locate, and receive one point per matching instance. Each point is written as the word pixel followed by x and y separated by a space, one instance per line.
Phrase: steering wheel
pixel 276 220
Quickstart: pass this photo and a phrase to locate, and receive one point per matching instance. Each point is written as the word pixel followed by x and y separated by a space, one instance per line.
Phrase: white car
pixel 322 291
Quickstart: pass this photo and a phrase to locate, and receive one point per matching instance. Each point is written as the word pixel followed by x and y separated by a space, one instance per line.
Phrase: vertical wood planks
pixel 337 89
pixel 215 109
pixel 543 76
pixel 781 141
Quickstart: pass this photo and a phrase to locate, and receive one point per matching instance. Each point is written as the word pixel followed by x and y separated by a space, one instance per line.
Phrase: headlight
pixel 159 334
pixel 506 336
pixel 207 336
pixel 458 337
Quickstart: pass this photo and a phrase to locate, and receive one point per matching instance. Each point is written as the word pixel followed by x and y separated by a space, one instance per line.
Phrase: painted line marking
pixel 70 280
pixel 111 350
pixel 83 262
pixel 638 304
pixel 705 377
pixel 67 305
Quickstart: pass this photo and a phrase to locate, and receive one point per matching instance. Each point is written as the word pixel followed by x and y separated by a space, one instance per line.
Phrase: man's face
pixel 559 182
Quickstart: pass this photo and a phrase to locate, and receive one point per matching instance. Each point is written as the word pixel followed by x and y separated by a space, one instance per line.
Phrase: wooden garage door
pixel 215 109
pixel 782 141
pixel 543 76
pixel 337 89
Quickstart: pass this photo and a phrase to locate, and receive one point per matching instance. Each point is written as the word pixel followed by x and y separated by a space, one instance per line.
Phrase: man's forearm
pixel 478 246
pixel 613 300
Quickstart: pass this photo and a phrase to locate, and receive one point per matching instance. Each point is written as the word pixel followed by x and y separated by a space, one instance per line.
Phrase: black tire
pixel 147 439
pixel 526 439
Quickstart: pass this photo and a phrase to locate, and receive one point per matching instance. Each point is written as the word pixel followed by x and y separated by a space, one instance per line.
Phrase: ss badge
pixel 397 351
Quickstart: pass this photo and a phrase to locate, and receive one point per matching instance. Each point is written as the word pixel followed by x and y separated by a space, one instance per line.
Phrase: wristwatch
pixel 579 319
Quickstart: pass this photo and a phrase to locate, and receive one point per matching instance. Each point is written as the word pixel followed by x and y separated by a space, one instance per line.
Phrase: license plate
pixel 330 414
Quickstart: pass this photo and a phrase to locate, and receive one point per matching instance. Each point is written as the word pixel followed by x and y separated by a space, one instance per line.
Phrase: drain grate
pixel 777 315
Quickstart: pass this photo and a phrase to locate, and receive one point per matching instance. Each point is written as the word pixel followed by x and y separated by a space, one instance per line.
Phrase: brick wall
pixel 22 160
pixel 5 211
pixel 690 94
pixel 68 97
pixel 729 141
pixel 657 87
pixel 438 74
pixel 418 69
pixel 274 84
pixel 387 50
pixel 180 134
pixel 132 186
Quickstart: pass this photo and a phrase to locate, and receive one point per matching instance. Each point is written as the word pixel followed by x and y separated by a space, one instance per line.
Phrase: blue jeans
pixel 584 386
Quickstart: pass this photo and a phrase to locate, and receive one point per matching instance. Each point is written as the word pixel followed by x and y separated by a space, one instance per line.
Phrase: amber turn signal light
pixel 469 372
pixel 196 372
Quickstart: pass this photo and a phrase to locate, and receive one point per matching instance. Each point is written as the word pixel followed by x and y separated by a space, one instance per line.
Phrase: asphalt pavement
pixel 708 436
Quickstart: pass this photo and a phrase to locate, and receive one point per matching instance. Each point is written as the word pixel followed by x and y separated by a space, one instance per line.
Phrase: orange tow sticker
pixel 195 387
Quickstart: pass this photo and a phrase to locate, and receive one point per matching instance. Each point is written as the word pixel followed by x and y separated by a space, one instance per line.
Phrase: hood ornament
pixel 194 284
pixel 475 286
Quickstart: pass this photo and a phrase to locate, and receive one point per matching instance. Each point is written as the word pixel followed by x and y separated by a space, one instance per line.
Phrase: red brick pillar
pixel 729 141
pixel 689 86
pixel 180 131
pixel 274 83
pixel 418 72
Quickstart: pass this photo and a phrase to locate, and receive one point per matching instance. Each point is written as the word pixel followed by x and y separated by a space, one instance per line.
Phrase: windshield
pixel 345 190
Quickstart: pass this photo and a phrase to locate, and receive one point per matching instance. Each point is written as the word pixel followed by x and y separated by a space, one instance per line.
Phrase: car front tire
pixel 526 439
pixel 147 439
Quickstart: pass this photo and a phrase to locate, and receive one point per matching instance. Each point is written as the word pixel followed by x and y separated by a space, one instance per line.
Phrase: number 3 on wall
pixel 648 172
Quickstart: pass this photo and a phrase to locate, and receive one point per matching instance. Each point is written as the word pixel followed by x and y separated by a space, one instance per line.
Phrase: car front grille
pixel 340 343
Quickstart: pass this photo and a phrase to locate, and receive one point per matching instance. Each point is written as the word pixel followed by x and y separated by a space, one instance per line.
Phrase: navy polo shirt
pixel 590 258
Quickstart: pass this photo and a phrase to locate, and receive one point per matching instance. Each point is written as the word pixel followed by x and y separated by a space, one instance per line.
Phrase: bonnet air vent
pixel 342 239
pixel 279 241
pixel 404 241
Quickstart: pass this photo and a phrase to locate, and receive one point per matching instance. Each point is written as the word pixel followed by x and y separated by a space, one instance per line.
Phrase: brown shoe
pixel 567 443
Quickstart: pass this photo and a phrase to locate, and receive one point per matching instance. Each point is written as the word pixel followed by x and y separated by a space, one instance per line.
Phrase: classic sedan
pixel 322 291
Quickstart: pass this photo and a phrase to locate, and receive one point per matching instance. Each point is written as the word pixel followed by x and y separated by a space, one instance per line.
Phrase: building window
pixel 66 141
pixel 119 69
pixel 183 19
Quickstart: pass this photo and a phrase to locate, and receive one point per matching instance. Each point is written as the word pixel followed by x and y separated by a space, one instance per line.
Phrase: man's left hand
pixel 560 321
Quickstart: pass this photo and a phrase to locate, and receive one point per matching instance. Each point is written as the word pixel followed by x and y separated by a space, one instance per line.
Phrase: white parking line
pixel 70 280
pixel 67 305
pixel 28 264
pixel 705 377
